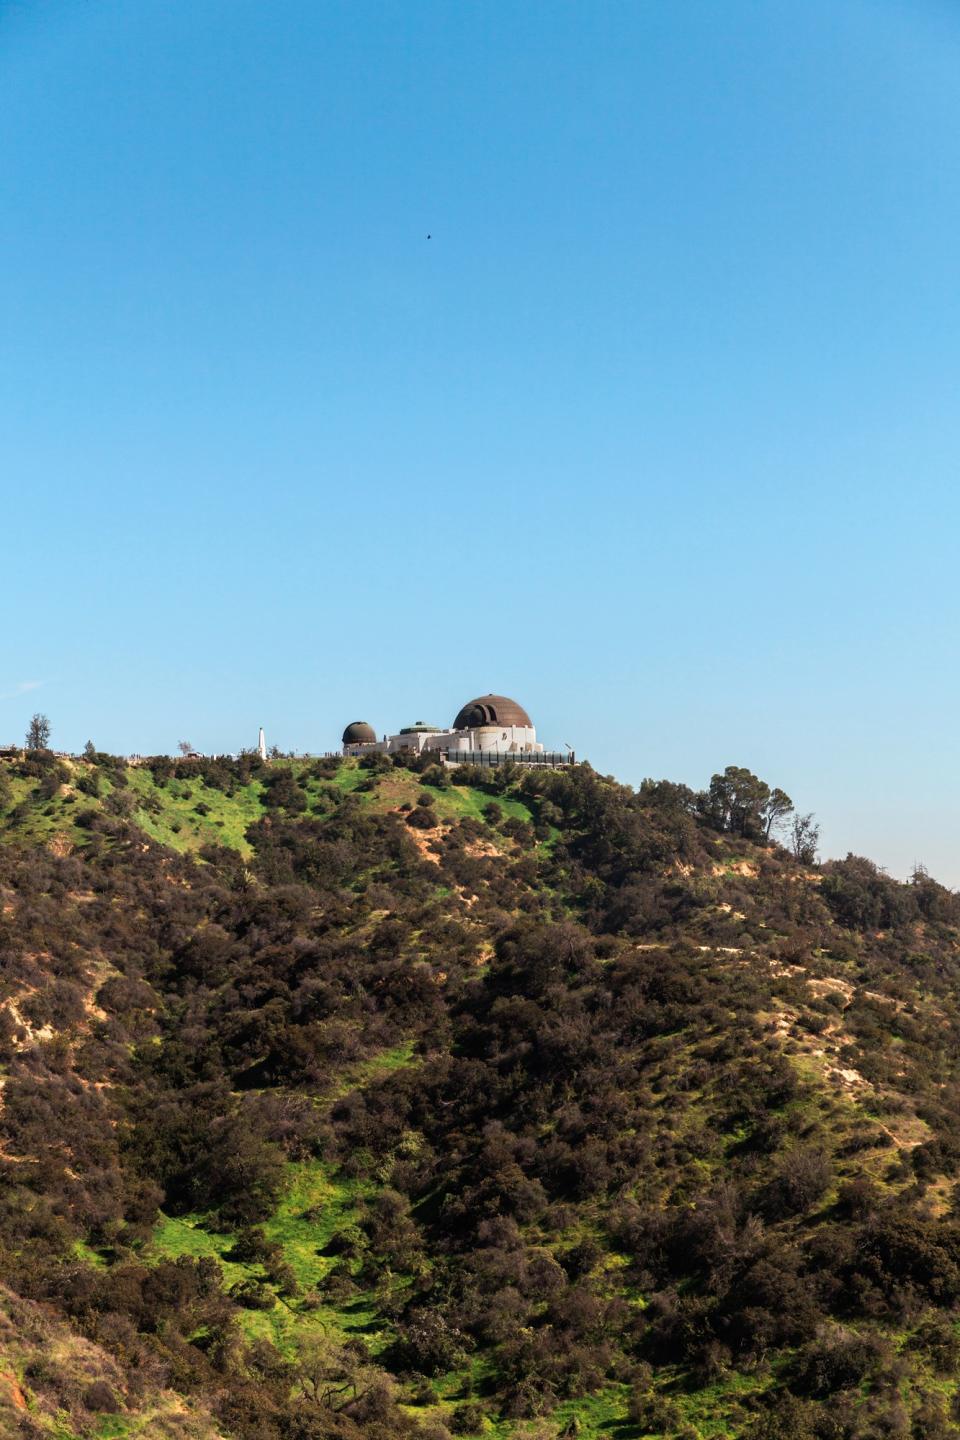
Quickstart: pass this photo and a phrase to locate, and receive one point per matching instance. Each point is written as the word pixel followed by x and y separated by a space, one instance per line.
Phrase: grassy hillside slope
pixel 182 812
pixel 343 1100
pixel 56 1384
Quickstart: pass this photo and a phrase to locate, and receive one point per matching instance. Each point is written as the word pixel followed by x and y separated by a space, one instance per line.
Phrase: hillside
pixel 339 1099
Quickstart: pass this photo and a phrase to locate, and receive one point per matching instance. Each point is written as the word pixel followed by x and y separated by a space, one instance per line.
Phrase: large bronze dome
pixel 359 733
pixel 491 710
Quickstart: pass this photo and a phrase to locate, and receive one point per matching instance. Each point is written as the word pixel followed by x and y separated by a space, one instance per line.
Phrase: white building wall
pixel 503 738
pixel 506 739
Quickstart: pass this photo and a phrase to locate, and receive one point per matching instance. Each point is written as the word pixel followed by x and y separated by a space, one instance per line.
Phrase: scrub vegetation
pixel 347 1099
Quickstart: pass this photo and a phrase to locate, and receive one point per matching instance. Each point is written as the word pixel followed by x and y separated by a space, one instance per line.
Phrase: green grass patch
pixel 168 813
pixel 354 1077
pixel 461 801
pixel 316 1204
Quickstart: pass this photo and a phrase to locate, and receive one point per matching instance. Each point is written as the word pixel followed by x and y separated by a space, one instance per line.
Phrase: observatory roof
pixel 358 732
pixel 491 710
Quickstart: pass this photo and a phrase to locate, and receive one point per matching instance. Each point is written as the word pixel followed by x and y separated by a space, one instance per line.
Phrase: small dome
pixel 491 710
pixel 359 733
pixel 420 727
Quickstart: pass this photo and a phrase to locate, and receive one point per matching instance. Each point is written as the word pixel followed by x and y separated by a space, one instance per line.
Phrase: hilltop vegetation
pixel 347 1099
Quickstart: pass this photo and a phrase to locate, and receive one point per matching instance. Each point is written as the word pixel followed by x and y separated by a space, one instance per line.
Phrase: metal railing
pixel 549 759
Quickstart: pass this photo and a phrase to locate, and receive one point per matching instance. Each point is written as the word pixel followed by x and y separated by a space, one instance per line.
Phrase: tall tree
pixel 735 802
pixel 740 802
pixel 805 837
pixel 38 733
pixel 776 810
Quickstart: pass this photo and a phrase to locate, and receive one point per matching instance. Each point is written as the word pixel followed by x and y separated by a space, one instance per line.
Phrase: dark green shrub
pixel 252 1295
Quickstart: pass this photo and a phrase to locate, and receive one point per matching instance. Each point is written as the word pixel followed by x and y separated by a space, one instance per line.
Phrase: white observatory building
pixel 490 730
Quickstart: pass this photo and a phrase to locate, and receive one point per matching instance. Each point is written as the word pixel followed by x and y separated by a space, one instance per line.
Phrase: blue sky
pixel 659 431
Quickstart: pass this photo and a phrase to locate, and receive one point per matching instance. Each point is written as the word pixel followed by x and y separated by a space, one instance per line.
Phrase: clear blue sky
pixel 659 432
